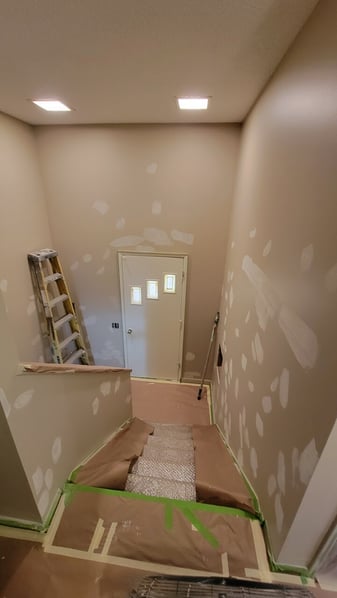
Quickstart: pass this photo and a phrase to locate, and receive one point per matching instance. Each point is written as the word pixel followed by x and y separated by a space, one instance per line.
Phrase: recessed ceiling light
pixel 193 103
pixel 52 105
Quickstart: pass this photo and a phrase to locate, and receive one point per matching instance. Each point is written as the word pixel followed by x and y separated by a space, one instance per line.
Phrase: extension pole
pixel 215 323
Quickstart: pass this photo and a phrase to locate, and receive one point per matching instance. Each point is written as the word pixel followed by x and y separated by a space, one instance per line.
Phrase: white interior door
pixel 153 289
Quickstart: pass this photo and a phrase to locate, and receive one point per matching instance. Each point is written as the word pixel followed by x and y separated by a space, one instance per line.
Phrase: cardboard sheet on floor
pixel 169 532
pixel 217 479
pixel 109 467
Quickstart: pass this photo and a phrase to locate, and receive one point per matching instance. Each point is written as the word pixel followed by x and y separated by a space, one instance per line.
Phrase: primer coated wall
pixel 275 395
pixel 147 188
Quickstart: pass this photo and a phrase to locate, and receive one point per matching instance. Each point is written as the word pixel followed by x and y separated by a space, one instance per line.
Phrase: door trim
pixel 123 253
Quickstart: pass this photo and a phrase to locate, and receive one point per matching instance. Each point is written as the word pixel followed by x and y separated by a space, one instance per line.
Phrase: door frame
pixel 123 253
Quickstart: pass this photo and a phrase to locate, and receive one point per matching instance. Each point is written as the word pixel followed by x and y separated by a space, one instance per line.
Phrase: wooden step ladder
pixel 65 337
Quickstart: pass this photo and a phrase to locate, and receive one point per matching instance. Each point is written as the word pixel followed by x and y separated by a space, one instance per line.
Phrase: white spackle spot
pixel 56 449
pixel 251 386
pixel 278 512
pixel 106 254
pixel 252 233
pixel 281 473
pixel 232 245
pixel 4 402
pixel 267 249
pixel 231 368
pixel 190 356
pixel 243 362
pixel 48 478
pixel 259 424
pixel 156 207
pixel 284 388
pixel 267 404
pixel 100 270
pixel 258 349
pixel 128 399
pixel 117 385
pixel 152 168
pixel 236 390
pixel 101 206
pixel 237 332
pixel 105 388
pixel 253 461
pixel 244 415
pixel 129 241
pixel 37 479
pixel 187 238
pixel 246 435
pixel 307 256
pixel 43 503
pixel 24 399
pixel 222 399
pixel 95 405
pixel 240 457
pixel 274 384
pixel 271 485
pixel 231 296
pixel 241 430
pixel 253 351
pixel 3 285
pixel 90 320
pixel 295 461
pixel 247 317
pixel 301 339
pixel 157 236
pixel 267 302
pixel 74 266
pixel 31 307
pixel 87 257
pixel 308 461
pixel 331 279
pixel 120 223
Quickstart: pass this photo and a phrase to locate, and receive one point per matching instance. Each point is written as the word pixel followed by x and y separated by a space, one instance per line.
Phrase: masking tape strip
pixel 109 537
pixel 97 536
pixel 224 564
pixel 260 550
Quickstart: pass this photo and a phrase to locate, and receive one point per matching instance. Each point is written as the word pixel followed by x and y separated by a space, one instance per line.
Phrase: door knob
pixel 129 330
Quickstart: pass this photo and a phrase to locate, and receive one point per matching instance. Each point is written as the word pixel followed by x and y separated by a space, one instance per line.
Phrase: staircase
pixel 166 467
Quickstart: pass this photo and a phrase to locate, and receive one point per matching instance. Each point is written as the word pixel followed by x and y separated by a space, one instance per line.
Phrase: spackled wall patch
pixel 141 188
pixel 281 400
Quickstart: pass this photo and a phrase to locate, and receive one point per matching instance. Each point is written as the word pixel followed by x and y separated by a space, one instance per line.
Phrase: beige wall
pixel 23 228
pixel 276 400
pixel 151 188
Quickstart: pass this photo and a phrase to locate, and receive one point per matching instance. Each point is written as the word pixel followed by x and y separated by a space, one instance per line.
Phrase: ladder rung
pixel 69 339
pixel 57 300
pixel 53 277
pixel 76 355
pixel 63 320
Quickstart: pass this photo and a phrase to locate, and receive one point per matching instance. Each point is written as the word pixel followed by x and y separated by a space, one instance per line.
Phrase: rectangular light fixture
pixel 52 105
pixel 193 103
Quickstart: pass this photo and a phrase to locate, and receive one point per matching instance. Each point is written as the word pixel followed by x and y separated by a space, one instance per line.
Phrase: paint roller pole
pixel 215 323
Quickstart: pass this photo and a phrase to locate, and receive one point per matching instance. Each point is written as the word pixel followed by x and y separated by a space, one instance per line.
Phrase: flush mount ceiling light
pixel 193 103
pixel 52 105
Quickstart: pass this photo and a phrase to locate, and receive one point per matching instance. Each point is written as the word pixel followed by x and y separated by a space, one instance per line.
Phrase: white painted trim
pixel 317 510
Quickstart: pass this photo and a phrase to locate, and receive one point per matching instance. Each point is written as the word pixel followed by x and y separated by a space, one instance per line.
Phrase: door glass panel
pixel 136 295
pixel 152 289
pixel 169 283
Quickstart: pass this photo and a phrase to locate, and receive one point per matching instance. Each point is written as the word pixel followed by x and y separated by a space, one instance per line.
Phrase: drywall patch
pixel 120 223
pixel 95 405
pixel 253 461
pixel 258 349
pixel 243 362
pixel 259 424
pixel 301 339
pixel 307 257
pixel 232 244
pixel 74 266
pixel 189 356
pixel 241 430
pixel 48 478
pixel 117 385
pixel 24 399
pixel 87 258
pixel 281 473
pixel 3 285
pixel 43 503
pixel 266 404
pixel 308 461
pixel 330 280
pixel 129 241
pixel 101 206
pixel 187 238
pixel 284 388
pixel 237 332
pixel 271 486
pixel 128 399
pixel 278 512
pixel 267 249
pixel 251 386
pixel 156 208
pixel 152 168
pixel 247 317
pixel 31 307
pixel 105 388
pixel 274 384
pixel 231 296
pixel 246 437
pixel 236 388
pixel 100 270
pixel 4 403
pixel 90 320
pixel 252 233
pixel 37 479
pixel 56 449
pixel 157 236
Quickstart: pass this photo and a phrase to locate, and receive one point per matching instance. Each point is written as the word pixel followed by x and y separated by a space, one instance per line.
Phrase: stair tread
pixel 165 470
pixel 171 455
pixel 160 487
pixel 170 442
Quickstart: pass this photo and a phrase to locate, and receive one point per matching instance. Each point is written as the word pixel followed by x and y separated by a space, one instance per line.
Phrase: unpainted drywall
pixel 275 395
pixel 147 188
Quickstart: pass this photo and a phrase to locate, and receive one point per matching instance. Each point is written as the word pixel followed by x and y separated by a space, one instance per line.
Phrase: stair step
pixel 160 487
pixel 164 470
pixel 180 435
pixel 170 455
pixel 169 442
pixel 178 427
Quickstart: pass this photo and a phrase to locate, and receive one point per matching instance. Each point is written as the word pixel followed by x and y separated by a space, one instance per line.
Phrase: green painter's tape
pixel 202 529
pixel 302 572
pixel 168 516
pixel 32 527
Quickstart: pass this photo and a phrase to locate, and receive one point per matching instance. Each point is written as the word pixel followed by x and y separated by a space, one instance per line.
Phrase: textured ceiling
pixel 125 61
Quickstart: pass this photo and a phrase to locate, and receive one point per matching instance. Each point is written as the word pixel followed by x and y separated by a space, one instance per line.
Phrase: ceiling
pixel 126 61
